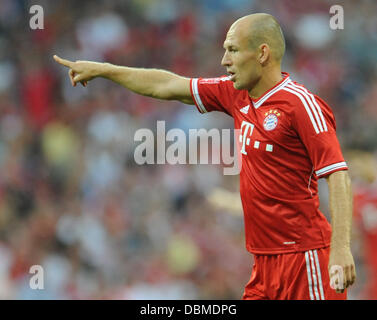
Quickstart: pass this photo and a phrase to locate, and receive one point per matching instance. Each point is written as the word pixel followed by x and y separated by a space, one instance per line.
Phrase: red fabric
pixel 284 152
pixel 365 209
pixel 286 277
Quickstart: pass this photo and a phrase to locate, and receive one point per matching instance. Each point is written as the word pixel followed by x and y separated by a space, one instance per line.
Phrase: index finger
pixel 64 62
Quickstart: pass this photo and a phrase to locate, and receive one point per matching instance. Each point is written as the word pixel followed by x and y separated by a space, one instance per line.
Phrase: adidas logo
pixel 245 109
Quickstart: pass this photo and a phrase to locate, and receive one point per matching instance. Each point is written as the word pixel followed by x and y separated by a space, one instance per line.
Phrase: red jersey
pixel 287 142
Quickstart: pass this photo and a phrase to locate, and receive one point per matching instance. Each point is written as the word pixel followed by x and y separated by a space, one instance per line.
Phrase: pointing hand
pixel 80 71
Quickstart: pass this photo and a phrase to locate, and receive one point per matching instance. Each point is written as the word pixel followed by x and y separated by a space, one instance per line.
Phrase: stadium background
pixel 72 198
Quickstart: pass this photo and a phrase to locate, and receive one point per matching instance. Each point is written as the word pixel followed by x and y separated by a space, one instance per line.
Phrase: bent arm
pixel 155 83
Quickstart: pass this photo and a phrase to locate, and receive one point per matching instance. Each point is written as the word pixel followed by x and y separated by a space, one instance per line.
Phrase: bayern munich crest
pixel 271 120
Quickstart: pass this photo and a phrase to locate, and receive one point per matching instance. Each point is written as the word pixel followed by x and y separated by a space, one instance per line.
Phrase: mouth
pixel 232 75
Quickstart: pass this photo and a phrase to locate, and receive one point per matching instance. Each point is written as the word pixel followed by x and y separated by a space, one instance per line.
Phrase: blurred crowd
pixel 72 198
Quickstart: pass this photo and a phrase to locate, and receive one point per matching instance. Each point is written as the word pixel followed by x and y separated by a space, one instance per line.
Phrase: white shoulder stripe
pixel 330 168
pixel 310 102
pixel 299 95
pixel 196 95
pixel 311 96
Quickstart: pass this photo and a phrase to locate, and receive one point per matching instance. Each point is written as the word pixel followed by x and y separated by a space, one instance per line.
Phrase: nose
pixel 226 62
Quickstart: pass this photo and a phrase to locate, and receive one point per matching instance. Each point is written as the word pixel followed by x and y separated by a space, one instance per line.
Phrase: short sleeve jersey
pixel 287 141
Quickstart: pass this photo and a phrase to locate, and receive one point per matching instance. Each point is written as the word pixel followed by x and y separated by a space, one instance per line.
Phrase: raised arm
pixel 340 198
pixel 155 83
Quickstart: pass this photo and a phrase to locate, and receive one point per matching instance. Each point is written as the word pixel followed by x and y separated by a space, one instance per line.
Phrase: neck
pixel 265 83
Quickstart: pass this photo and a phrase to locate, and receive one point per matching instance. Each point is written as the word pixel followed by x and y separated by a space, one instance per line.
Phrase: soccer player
pixel 287 142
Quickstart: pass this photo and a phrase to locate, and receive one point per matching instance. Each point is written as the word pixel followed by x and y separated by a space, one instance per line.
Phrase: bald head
pixel 254 48
pixel 260 28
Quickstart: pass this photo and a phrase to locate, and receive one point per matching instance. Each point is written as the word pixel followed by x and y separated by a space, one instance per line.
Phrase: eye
pixel 233 50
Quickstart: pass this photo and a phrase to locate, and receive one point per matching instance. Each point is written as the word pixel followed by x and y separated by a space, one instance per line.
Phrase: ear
pixel 264 53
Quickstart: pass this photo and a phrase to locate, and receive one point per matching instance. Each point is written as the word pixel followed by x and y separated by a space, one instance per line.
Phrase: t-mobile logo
pixel 246 132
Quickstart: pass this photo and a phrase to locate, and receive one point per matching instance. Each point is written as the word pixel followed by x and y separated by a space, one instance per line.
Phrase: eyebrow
pixel 229 45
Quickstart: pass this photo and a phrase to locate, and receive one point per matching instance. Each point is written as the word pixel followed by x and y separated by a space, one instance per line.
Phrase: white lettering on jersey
pixel 269 147
pixel 246 132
